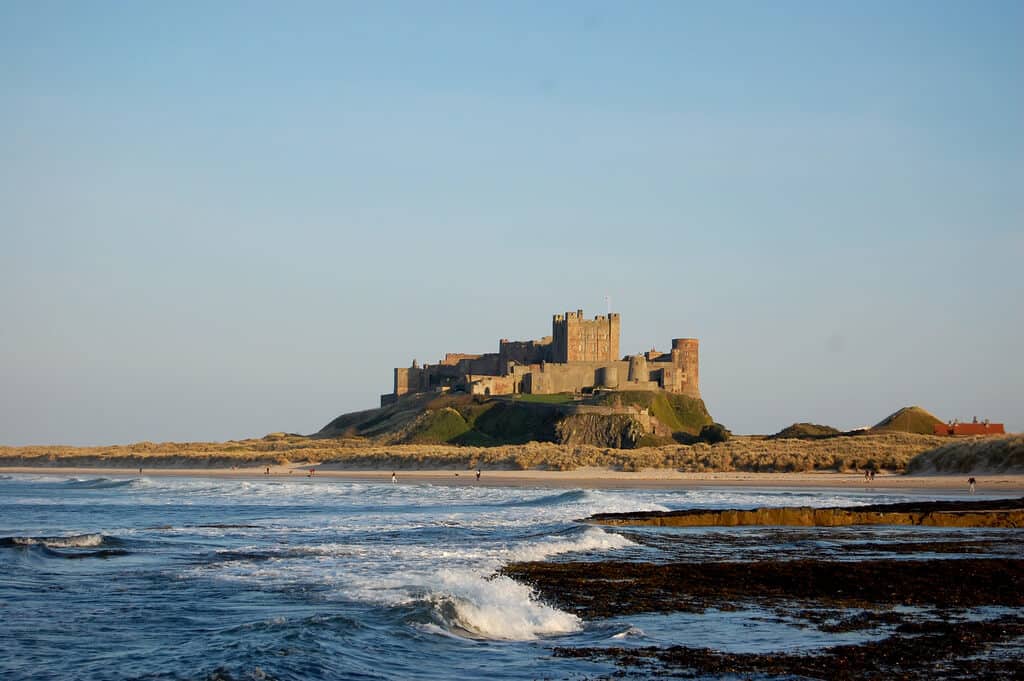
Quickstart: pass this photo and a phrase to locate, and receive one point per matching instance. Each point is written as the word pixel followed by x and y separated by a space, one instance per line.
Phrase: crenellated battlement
pixel 580 355
pixel 577 339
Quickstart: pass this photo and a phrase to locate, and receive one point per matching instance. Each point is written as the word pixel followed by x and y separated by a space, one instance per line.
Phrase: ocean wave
pixel 98 553
pixel 72 541
pixel 742 498
pixel 72 546
pixel 99 483
pixel 496 608
pixel 257 554
pixel 471 601
pixel 572 496
pixel 630 632
pixel 226 526
pixel 590 539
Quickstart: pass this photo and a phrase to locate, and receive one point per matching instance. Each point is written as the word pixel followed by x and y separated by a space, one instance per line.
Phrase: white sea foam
pixel 496 608
pixel 458 582
pixel 75 541
pixel 592 539
pixel 468 598
pixel 630 632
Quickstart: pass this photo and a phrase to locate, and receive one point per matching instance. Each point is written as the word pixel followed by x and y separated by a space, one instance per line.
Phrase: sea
pixel 314 578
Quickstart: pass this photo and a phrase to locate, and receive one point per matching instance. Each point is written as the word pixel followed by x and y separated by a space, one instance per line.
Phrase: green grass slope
pixel 680 413
pixel 380 421
pixel 465 420
pixel 472 420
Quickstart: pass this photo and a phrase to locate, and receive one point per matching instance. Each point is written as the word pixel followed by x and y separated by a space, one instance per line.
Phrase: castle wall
pixel 483 364
pixel 575 376
pixel 492 385
pixel 523 352
pixel 408 380
pixel 580 354
pixel 453 358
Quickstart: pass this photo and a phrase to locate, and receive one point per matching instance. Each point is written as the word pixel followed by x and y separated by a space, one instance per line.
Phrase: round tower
pixel 638 369
pixel 689 348
pixel 607 377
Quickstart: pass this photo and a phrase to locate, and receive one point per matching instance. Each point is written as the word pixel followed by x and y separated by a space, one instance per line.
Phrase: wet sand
pixel 588 478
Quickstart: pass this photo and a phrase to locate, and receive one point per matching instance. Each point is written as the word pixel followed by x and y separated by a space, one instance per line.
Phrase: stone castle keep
pixel 580 355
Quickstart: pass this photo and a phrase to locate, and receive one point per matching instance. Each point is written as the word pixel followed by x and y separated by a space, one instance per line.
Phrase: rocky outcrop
pixel 617 430
pixel 999 513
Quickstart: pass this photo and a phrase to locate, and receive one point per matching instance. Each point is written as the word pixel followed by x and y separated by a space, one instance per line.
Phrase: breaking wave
pixel 496 608
pixel 69 546
pixel 99 483
pixel 630 632
pixel 571 496
pixel 73 541
pixel 590 539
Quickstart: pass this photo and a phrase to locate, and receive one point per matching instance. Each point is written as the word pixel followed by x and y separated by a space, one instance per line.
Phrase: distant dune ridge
pixel 460 432
pixel 886 450
pixel 910 420
pixel 805 431
pixel 974 455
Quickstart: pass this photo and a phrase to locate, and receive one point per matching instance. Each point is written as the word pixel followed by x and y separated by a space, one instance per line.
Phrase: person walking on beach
pixel 394 478
pixel 972 482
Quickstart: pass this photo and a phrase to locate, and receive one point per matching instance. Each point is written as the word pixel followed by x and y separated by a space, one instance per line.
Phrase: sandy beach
pixel 587 478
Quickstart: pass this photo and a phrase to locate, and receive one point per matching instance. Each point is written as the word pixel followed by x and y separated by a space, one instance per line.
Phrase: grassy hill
pixel 481 423
pixel 679 413
pixel 805 431
pixel 448 419
pixel 478 421
pixel 909 420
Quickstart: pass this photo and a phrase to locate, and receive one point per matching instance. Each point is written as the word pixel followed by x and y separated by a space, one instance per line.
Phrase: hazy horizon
pixel 222 221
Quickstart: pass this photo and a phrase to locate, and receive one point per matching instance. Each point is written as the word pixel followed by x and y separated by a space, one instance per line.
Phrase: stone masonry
pixel 581 355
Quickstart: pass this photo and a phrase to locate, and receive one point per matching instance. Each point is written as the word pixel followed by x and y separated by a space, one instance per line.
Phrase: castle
pixel 580 355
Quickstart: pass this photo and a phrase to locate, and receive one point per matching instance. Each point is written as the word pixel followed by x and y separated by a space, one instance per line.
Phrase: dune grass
pixel 889 451
pixel 972 455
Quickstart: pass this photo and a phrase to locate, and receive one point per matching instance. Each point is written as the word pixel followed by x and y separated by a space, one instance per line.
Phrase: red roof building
pixel 969 429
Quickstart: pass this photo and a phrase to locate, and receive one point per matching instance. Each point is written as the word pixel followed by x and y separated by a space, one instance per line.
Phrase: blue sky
pixel 221 220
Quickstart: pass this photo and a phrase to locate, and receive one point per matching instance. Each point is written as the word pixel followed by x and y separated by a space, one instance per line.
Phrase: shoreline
pixel 586 478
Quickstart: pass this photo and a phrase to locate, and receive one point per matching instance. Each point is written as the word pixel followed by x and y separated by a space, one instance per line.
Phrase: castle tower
pixel 575 339
pixel 686 356
pixel 638 372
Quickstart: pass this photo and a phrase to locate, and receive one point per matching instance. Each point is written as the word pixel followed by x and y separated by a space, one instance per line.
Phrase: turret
pixel 686 355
